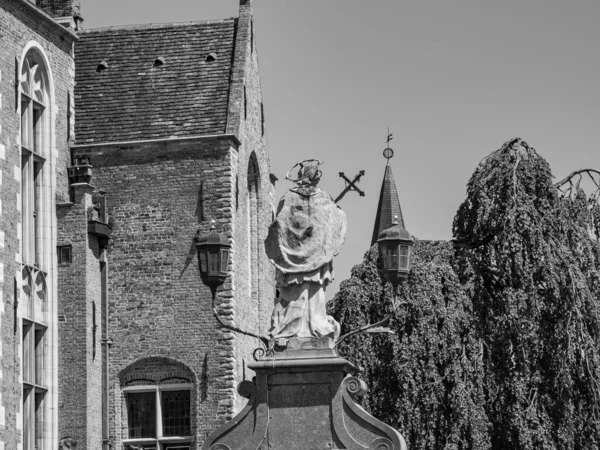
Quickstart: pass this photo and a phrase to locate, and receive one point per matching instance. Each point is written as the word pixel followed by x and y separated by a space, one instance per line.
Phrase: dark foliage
pixel 426 380
pixel 498 346
pixel 530 257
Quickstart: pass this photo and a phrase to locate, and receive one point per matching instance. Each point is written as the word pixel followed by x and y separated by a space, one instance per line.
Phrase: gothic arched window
pixel 35 109
pixel 34 142
pixel 253 225
pixel 34 327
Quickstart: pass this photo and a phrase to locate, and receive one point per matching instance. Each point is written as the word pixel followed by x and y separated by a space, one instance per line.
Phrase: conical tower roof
pixel 389 205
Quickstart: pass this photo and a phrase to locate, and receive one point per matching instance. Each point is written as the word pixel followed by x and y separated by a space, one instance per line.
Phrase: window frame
pixel 404 257
pixel 34 336
pixel 392 257
pixel 67 256
pixel 160 441
pixel 35 121
pixel 35 112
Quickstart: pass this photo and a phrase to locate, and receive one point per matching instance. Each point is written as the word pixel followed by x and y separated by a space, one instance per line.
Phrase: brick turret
pixel 245 8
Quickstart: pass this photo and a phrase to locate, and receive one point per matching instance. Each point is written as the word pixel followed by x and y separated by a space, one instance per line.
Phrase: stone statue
pixel 304 395
pixel 307 233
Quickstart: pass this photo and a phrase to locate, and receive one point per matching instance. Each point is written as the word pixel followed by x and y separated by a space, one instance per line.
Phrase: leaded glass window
pixel 391 254
pixel 176 413
pixel 158 416
pixel 141 414
pixel 404 256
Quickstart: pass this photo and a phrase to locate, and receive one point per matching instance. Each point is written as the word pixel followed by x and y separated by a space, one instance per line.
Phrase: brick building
pixel 117 146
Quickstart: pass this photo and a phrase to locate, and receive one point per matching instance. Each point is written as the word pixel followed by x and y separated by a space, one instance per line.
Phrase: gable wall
pixel 158 305
pixel 254 282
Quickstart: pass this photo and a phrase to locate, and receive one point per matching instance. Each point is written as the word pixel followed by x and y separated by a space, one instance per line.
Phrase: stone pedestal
pixel 303 398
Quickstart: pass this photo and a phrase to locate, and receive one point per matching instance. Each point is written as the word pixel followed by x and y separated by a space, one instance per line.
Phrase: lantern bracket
pixel 262 339
pixel 372 327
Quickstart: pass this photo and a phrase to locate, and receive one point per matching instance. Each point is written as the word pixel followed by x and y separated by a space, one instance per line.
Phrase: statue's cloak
pixel 308 231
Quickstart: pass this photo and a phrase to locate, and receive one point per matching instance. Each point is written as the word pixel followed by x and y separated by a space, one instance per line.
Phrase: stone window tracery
pixel 34 102
pixel 34 130
pixel 34 328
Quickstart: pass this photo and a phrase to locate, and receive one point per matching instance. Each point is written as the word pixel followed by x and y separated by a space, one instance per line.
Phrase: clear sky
pixel 453 79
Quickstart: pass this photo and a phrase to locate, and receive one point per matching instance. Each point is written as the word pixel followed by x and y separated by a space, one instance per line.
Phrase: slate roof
pixel 134 100
pixel 389 205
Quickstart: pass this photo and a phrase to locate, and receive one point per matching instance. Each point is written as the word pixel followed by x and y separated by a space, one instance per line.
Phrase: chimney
pixel 66 12
pixel 245 8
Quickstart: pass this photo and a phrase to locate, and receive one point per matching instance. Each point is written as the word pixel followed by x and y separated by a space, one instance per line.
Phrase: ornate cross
pixel 351 185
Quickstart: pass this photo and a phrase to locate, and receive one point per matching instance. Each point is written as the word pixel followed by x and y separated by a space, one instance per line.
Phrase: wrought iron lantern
pixel 395 251
pixel 213 258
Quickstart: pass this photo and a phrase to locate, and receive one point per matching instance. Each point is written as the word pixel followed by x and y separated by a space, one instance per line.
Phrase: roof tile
pixel 131 99
pixel 388 207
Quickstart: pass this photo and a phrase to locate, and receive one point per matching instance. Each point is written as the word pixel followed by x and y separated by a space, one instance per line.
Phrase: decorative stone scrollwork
pixel 381 444
pixel 351 421
pixel 356 386
pixel 220 446
pixel 316 396
pixel 237 433
pixel 258 353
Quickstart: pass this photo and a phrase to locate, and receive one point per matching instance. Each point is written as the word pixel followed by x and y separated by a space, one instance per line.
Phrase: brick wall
pixel 80 368
pixel 20 23
pixel 159 195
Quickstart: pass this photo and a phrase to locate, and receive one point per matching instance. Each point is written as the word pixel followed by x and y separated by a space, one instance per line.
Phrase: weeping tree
pixel 528 252
pixel 497 342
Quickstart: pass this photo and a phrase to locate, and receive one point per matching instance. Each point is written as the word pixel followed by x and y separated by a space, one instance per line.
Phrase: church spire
pixel 388 207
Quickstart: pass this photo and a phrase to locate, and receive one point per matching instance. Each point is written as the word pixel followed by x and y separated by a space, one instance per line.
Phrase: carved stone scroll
pixel 304 399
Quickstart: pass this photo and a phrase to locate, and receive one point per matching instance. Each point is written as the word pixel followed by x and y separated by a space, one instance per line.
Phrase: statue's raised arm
pixel 308 231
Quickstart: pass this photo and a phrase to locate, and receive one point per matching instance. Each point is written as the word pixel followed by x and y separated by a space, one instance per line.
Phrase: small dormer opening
pixel 251 37
pixel 245 104
pixel 159 62
pixel 211 57
pixel 102 66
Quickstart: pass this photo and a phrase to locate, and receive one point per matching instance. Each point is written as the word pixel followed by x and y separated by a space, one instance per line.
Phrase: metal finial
pixel 213 225
pixel 388 153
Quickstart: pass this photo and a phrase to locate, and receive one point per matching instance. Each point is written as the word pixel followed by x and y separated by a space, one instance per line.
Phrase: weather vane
pixel 388 153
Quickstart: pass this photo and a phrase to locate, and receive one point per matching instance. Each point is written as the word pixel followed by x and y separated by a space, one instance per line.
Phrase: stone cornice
pixel 32 9
pixel 232 137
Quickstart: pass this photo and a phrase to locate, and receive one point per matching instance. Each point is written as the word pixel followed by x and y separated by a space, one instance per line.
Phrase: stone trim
pixel 125 376
pixel 231 137
pixel 49 21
